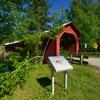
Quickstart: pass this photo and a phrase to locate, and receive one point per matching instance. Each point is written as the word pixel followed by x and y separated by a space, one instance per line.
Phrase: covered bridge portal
pixel 68 39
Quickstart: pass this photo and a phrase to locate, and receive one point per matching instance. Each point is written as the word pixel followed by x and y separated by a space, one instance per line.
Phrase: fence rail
pixel 90 53
pixel 78 59
pixel 82 57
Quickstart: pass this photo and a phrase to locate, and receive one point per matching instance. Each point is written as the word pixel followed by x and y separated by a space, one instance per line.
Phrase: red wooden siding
pixel 53 48
pixel 50 50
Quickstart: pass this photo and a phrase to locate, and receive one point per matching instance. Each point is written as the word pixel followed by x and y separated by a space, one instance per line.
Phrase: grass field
pixel 83 84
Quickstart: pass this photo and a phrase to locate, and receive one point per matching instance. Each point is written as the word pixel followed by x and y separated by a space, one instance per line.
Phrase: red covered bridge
pixel 68 39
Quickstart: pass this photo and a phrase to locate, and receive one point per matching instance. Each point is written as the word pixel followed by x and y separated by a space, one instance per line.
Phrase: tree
pixel 18 17
pixel 97 12
pixel 10 20
pixel 37 12
pixel 82 14
pixel 57 20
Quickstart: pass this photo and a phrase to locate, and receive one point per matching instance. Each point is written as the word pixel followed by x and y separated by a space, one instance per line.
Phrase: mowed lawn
pixel 83 84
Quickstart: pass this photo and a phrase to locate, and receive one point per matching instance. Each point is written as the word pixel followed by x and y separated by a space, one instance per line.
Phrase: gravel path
pixel 94 61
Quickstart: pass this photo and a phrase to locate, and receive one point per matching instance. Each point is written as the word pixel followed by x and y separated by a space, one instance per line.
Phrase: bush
pixel 13 71
pixel 64 52
pixel 32 44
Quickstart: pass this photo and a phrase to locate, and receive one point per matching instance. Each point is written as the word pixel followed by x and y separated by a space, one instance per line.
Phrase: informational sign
pixel 60 63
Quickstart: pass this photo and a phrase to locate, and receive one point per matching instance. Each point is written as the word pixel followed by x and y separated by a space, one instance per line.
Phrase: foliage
pixel 57 20
pixel 54 31
pixel 83 15
pixel 97 8
pixel 22 16
pixel 39 18
pixel 13 71
pixel 9 63
pixel 32 44
pixel 47 96
pixel 8 14
pixel 1 48
pixel 63 52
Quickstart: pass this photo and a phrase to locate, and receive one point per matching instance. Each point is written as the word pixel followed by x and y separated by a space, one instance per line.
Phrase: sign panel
pixel 60 63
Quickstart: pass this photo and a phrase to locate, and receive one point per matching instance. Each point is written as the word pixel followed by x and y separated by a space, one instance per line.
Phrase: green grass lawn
pixel 83 84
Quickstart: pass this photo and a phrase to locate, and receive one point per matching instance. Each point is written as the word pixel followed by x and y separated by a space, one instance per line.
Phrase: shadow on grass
pixel 45 81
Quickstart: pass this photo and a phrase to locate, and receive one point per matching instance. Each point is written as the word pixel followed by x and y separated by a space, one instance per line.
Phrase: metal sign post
pixel 85 47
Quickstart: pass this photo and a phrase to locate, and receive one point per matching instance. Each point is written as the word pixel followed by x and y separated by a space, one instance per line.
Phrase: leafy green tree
pixel 38 13
pixel 7 19
pixel 97 12
pixel 22 16
pixel 32 44
pixel 59 18
pixel 82 14
pixel 56 22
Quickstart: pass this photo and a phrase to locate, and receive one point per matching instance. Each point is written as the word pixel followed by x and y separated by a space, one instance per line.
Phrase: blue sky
pixel 57 5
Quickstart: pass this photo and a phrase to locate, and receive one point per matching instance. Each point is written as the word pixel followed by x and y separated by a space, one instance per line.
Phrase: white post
pixel 65 80
pixel 53 85
pixel 52 75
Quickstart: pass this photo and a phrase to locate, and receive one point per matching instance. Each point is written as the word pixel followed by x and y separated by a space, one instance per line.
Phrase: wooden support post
pixel 81 59
pixel 71 58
